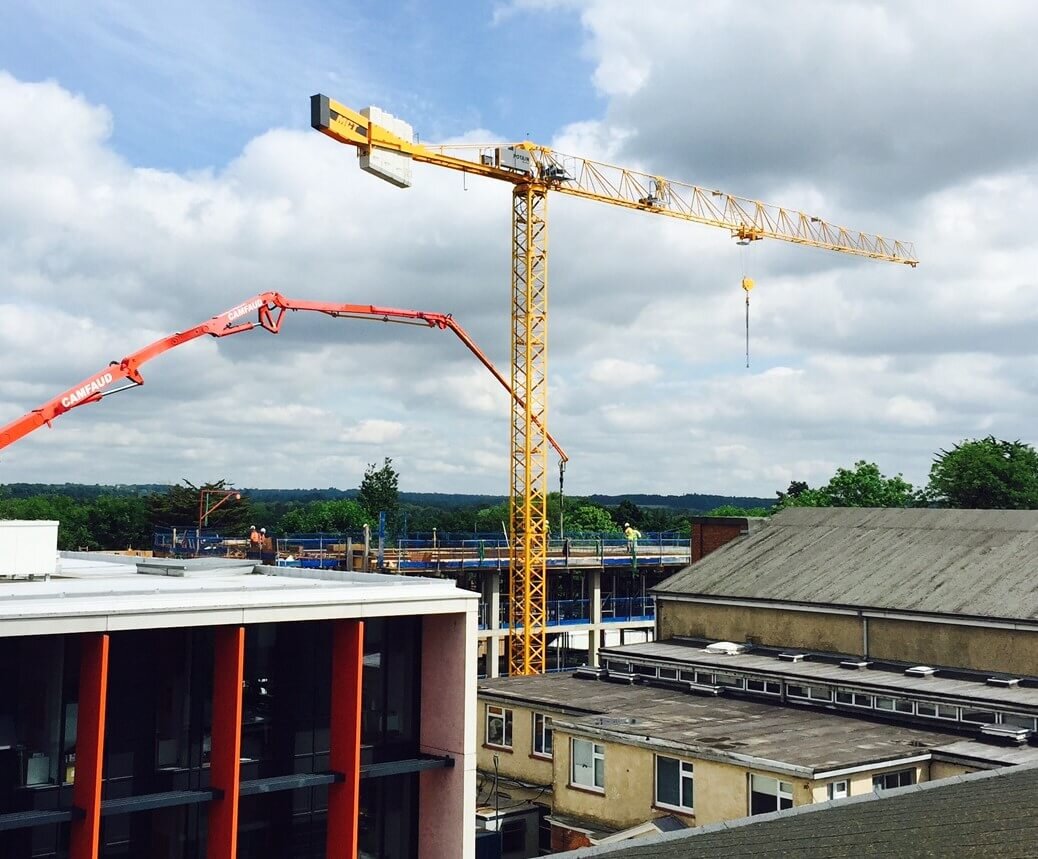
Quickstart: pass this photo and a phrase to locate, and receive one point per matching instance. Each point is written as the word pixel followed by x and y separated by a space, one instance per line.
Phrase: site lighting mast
pixel 205 507
pixel 386 147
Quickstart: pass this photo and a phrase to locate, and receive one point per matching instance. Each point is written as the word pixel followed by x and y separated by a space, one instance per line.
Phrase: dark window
pixel 888 781
pixel 769 794
pixel 674 783
pixel 542 734
pixel 388 818
pixel 980 717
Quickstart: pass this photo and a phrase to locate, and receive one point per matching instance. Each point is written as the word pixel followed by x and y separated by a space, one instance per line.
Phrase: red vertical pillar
pixel 225 754
pixel 347 683
pixel 85 833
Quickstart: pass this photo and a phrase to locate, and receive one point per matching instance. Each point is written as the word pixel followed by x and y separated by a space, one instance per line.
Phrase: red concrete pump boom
pixel 270 309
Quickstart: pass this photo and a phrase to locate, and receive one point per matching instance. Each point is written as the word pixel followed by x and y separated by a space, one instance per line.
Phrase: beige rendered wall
pixel 721 790
pixel 808 630
pixel 942 769
pixel 861 783
pixel 1010 650
pixel 519 761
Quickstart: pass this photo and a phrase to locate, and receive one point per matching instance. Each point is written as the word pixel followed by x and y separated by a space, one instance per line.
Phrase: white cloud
pixel 374 431
pixel 852 114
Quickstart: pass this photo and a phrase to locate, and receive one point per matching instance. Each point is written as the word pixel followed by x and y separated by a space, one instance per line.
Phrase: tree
pixel 379 489
pixel 178 505
pixel 987 474
pixel 342 515
pixel 732 510
pixel 590 518
pixel 628 511
pixel 862 486
pixel 119 523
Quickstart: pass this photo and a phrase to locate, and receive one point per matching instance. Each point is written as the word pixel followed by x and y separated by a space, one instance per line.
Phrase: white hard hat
pixel 627 524
pixel 263 530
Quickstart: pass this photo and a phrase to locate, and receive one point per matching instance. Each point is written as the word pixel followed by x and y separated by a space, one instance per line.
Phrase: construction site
pixel 541 689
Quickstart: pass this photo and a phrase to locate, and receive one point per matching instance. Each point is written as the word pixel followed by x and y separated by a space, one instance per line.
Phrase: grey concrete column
pixel 492 601
pixel 594 638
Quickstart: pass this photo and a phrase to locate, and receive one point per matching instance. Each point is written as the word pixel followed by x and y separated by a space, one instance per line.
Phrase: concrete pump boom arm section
pixel 269 309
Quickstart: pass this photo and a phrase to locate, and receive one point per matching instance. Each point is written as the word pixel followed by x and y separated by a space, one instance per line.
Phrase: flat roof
pixel 983 815
pixel 95 597
pixel 804 742
pixel 967 563
pixel 873 678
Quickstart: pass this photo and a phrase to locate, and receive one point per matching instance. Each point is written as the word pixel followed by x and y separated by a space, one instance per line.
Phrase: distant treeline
pixel 691 502
pixel 125 516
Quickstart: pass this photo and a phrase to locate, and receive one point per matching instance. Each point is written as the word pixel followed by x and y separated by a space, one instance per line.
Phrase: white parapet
pixel 28 548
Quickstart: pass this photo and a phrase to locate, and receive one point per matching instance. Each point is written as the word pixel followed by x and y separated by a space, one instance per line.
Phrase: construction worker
pixel 255 543
pixel 267 547
pixel 632 534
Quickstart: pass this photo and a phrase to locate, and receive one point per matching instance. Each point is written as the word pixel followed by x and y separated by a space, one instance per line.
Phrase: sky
pixel 157 167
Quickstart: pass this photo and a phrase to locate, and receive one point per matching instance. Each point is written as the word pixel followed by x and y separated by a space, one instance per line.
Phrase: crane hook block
pixel 747 284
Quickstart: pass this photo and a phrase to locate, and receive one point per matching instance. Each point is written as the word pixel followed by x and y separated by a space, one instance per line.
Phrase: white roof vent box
pixel 1003 681
pixel 791 657
pixel 725 648
pixel 28 550
pixel 920 671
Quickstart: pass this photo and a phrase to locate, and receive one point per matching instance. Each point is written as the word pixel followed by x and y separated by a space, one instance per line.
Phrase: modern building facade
pixel 220 709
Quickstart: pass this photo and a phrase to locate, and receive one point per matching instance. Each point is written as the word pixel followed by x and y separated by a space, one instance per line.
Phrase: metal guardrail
pixel 575 612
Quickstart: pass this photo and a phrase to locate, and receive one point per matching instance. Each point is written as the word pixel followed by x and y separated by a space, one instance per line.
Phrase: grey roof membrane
pixel 979 563
pixel 990 814
pixel 810 741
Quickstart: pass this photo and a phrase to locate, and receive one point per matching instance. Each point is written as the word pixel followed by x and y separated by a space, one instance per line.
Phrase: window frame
pixel 683 774
pixel 540 733
pixel 830 789
pixel 506 715
pixel 597 754
pixel 779 794
pixel 910 773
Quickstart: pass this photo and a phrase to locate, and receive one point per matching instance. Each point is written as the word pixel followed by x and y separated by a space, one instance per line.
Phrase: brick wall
pixel 563 839
pixel 710 533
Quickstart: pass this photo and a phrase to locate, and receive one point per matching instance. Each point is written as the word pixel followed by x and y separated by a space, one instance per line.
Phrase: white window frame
pixel 597 754
pixel 686 771
pixel 542 732
pixel 831 791
pixel 495 712
pixel 779 794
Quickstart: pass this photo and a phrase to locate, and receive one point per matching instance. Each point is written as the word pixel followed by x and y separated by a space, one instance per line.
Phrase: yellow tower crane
pixel 387 147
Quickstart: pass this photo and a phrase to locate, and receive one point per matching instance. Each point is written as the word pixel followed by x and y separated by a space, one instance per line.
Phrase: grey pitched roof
pixel 991 815
pixel 980 563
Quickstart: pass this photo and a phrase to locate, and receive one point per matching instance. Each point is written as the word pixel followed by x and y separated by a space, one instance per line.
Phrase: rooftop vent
pixel 1012 733
pixel 791 657
pixel 587 672
pixel 920 671
pixel 727 648
pixel 855 664
pixel 1003 681
pixel 703 689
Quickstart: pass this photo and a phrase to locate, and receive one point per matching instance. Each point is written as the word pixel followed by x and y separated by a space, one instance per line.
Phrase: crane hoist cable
pixel 747 285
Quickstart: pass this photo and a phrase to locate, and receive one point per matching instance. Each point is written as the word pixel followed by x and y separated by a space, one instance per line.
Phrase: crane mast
pixel 534 171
